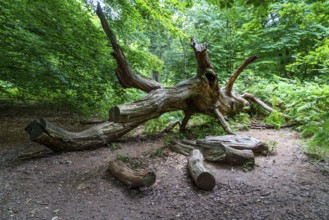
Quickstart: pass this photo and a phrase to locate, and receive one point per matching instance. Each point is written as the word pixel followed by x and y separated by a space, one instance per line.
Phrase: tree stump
pixel 202 178
pixel 130 177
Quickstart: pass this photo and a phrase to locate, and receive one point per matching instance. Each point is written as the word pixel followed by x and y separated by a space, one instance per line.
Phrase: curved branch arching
pixel 230 83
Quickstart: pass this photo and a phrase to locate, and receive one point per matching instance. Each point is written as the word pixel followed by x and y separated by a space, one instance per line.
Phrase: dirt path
pixel 77 185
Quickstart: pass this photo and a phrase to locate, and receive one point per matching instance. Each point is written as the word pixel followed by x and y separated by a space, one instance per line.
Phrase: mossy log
pixel 133 179
pixel 200 175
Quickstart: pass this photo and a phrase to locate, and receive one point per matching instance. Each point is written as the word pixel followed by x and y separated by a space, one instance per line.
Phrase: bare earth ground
pixel 77 185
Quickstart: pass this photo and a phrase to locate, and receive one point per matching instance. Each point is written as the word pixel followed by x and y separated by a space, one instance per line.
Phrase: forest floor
pixel 77 185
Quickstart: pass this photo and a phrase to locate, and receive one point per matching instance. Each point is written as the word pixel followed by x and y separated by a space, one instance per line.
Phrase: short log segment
pixel 200 175
pixel 220 150
pixel 130 177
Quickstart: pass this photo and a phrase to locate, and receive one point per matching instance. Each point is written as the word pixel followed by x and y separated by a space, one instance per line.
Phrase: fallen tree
pixel 200 94
pixel 228 149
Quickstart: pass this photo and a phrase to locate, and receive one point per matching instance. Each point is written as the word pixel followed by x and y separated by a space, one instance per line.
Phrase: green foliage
pixel 303 102
pixel 272 145
pixel 123 157
pixel 56 51
pixel 276 119
pixel 249 166
pixel 158 153
pixel 240 121
pixel 114 146
pixel 203 125
pixel 52 50
pixel 312 63
pixel 156 125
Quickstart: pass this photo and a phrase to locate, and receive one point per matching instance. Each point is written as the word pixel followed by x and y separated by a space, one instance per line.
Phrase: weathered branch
pixel 253 98
pixel 220 118
pixel 229 85
pixel 261 126
pixel 124 73
pixel 58 139
pixel 185 121
pixel 155 103
pixel 130 177
pixel 201 55
pixel 200 175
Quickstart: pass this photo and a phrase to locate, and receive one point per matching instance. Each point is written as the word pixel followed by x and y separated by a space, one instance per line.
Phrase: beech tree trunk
pixel 200 175
pixel 200 94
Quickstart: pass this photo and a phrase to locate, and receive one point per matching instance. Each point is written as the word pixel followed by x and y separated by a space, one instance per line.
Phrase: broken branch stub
pixel 124 73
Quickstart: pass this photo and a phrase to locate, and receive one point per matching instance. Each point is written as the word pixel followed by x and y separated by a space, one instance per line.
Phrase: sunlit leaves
pixel 51 50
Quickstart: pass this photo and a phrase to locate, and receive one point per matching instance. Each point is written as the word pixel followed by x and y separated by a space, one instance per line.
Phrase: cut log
pixel 200 175
pixel 130 177
pixel 220 150
pixel 239 142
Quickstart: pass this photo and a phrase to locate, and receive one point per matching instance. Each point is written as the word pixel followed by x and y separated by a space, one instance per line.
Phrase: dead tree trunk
pixel 200 175
pixel 200 94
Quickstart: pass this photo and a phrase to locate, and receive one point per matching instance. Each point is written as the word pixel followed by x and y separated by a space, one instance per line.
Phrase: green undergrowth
pixel 199 125
pixel 158 124
pixel 303 103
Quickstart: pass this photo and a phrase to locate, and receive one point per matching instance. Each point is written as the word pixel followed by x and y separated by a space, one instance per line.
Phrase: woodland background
pixel 55 52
